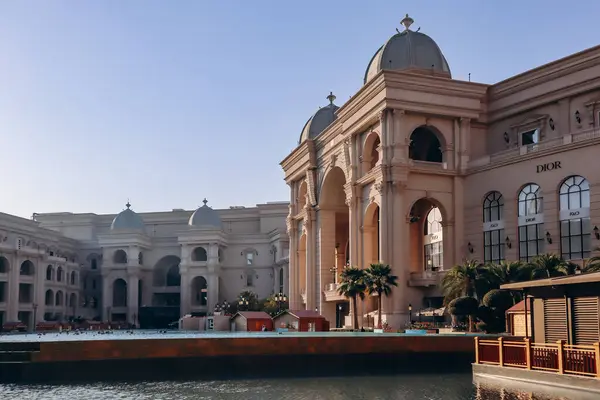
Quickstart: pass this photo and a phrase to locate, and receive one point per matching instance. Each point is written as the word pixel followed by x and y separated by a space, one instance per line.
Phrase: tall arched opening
pixel 302 268
pixel 333 221
pixel 199 292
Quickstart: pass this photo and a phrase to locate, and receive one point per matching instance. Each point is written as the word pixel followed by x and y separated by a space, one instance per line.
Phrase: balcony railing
pixel 550 357
pixel 581 136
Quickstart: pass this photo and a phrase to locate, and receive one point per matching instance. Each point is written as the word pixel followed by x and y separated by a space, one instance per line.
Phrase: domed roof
pixel 408 49
pixel 320 120
pixel 205 217
pixel 127 220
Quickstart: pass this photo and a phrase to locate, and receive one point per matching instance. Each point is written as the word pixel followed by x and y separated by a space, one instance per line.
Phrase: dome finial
pixel 205 201
pixel 407 22
pixel 127 204
pixel 331 97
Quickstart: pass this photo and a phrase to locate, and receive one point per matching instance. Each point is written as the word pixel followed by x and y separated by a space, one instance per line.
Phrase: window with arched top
pixel 94 264
pixel 531 222
pixel 199 254
pixel 59 274
pixel 425 145
pixel 493 227
pixel 120 257
pixel 575 224
pixel 433 241
pixel 49 273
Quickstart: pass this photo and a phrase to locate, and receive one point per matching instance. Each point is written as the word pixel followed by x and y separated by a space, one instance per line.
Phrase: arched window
pixel 531 222
pixel 59 274
pixel 425 145
pixel 119 293
pixel 493 227
pixel 73 276
pixel 120 257
pixel 49 272
pixel 140 258
pixel 49 298
pixel 59 298
pixel 94 264
pixel 199 254
pixel 575 224
pixel 433 241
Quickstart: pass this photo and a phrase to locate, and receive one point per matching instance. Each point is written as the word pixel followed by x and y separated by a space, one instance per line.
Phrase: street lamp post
pixel 35 306
pixel 243 303
pixel 410 313
pixel 339 324
pixel 280 299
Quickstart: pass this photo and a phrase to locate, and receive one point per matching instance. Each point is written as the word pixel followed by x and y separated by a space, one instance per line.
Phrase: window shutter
pixel 555 320
pixel 586 318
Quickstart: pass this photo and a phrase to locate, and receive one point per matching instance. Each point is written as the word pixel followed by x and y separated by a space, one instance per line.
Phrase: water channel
pixel 398 387
pixel 445 386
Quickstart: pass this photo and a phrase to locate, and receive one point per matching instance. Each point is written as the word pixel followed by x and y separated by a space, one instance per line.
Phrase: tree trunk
pixel 355 312
pixel 379 324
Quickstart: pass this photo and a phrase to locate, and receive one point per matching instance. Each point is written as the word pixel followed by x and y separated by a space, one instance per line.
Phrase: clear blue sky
pixel 168 102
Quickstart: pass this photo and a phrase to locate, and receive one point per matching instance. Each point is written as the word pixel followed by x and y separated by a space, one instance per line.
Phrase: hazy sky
pixel 168 102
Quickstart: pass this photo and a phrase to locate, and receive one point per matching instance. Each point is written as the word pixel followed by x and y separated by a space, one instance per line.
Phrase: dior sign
pixel 548 167
pixel 531 219
pixel 493 225
pixel 574 214
pixel 433 238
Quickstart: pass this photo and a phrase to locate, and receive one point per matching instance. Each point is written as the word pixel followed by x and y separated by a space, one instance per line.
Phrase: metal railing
pixel 583 360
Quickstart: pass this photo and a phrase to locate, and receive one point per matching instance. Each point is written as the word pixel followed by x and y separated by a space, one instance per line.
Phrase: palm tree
pixel 593 264
pixel 510 272
pixel 550 266
pixel 379 279
pixel 353 286
pixel 470 278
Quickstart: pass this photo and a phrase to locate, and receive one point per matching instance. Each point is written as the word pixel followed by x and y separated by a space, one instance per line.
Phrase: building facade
pixel 421 171
pixel 107 267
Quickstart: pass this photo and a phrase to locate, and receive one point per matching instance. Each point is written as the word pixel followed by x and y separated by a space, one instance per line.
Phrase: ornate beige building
pixel 109 266
pixel 420 171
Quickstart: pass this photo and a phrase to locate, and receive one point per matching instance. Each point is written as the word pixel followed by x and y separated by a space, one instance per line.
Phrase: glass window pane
pixel 531 231
pixel 532 248
pixel 523 249
pixel 564 228
pixel 540 231
pixel 576 244
pixel 586 225
pixel 585 199
pixel 495 253
pixel 574 200
pixel 575 226
pixel 487 254
pixel 587 243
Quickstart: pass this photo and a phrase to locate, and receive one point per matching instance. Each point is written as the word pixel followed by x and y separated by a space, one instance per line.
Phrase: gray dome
pixel 406 50
pixel 320 120
pixel 205 217
pixel 127 220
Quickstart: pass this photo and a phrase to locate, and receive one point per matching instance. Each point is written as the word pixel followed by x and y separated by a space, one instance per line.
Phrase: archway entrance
pixel 333 224
pixel 199 293
pixel 166 297
pixel 371 254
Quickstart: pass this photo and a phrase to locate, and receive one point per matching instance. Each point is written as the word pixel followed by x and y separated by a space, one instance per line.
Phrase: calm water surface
pixel 399 387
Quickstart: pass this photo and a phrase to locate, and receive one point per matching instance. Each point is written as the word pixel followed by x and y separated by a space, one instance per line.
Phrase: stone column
pixel 13 288
pixel 311 276
pixel 132 298
pixel 106 295
pixel 292 279
pixel 212 282
pixel 458 227
pixel 400 253
pixel 185 290
pixel 39 290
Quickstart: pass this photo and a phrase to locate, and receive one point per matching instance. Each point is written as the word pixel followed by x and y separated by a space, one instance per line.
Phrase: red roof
pixel 304 313
pixel 519 307
pixel 253 315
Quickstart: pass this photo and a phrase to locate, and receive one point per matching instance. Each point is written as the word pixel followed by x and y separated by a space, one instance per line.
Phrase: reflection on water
pixel 398 387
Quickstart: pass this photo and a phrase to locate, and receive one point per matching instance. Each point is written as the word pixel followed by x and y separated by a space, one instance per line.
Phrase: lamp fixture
pixel 470 247
pixel 551 123
pixel 548 237
pixel 409 307
pixel 508 242
pixel 596 232
pixel 506 138
pixel 578 117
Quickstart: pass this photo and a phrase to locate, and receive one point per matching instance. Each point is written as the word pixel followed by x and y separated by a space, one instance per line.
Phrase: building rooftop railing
pixel 515 152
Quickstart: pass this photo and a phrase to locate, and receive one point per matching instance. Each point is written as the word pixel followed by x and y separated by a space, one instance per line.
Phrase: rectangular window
pixel 249 279
pixel 493 246
pixel 249 258
pixel 434 257
pixel 530 137
pixel 575 239
pixel 531 241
